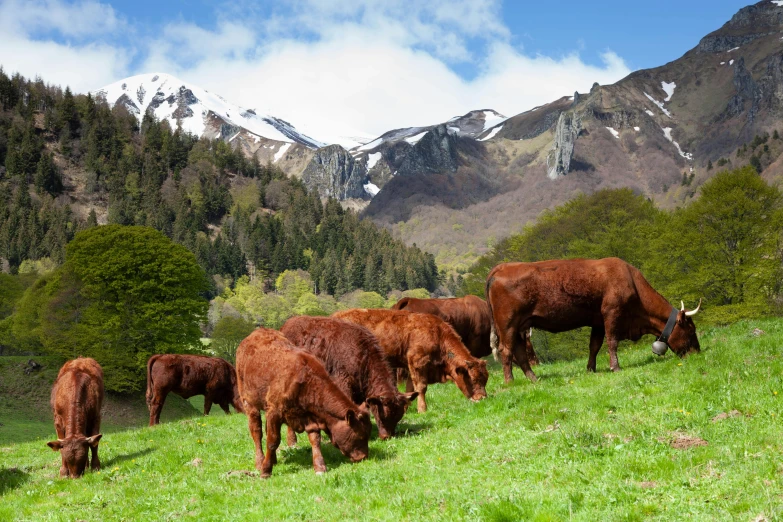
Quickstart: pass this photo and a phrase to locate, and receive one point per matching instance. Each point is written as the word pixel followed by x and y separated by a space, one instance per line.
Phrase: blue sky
pixel 357 67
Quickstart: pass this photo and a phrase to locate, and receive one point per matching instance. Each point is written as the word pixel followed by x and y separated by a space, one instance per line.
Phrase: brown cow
pixel 189 375
pixel 77 398
pixel 352 356
pixel 469 316
pixel 608 295
pixel 427 346
pixel 293 387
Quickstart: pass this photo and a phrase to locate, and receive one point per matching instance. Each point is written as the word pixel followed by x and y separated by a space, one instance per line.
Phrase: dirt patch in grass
pixel 683 442
pixel 649 484
pixel 723 416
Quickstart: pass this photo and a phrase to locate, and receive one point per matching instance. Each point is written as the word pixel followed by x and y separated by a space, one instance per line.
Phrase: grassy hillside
pixel 25 414
pixel 664 439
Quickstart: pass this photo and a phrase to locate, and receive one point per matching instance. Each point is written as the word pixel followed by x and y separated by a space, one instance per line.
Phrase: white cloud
pixel 83 64
pixel 334 69
pixel 74 20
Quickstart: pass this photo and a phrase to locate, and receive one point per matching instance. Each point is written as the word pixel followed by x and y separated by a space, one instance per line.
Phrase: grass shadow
pixel 128 456
pixel 12 478
pixel 408 429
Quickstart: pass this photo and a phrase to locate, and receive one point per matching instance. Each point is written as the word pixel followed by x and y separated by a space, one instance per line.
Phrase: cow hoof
pixel 265 475
pixel 320 473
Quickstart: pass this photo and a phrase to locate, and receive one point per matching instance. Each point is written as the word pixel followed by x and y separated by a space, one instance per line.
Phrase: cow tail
pixel 149 393
pixel 493 334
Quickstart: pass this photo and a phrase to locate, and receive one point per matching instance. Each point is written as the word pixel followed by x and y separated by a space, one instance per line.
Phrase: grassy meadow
pixel 665 439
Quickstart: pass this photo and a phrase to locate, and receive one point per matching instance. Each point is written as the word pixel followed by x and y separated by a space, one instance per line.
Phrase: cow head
pixel 388 411
pixel 471 378
pixel 683 339
pixel 351 435
pixel 74 452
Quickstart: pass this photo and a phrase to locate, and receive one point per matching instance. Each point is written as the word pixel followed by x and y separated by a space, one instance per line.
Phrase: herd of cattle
pixel 331 374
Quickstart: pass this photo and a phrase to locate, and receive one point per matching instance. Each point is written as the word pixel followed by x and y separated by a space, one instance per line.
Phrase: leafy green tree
pixel 725 246
pixel 123 294
pixel 227 334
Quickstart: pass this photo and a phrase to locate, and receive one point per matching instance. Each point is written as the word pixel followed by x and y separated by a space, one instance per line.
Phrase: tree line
pixel 237 216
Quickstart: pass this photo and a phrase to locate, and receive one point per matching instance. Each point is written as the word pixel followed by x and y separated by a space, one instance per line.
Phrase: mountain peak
pixel 196 110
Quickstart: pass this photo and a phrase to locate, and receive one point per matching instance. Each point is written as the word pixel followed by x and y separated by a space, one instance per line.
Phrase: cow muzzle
pixel 659 348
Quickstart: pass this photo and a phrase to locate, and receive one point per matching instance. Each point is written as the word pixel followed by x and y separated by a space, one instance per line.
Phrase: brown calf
pixel 608 295
pixel 77 397
pixel 293 387
pixel 352 356
pixel 427 346
pixel 469 316
pixel 189 375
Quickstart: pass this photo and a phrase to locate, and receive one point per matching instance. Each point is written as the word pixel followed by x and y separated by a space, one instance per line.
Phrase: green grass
pixel 575 446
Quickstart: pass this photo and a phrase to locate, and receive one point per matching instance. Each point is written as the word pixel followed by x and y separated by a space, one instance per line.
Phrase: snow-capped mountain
pixel 198 111
pixel 470 125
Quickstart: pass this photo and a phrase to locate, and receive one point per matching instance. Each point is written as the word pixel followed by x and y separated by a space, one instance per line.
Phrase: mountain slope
pixel 658 131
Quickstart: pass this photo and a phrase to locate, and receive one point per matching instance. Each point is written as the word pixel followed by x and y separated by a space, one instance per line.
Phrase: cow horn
pixel 682 306
pixel 693 312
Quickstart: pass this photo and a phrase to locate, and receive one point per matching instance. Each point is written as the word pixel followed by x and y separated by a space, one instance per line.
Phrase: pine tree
pixel 47 176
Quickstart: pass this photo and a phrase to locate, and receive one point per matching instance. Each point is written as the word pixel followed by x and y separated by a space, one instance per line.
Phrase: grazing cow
pixel 469 316
pixel 77 398
pixel 352 356
pixel 427 347
pixel 293 387
pixel 608 295
pixel 189 375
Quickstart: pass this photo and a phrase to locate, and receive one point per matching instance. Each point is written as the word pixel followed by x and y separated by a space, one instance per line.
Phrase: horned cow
pixel 608 295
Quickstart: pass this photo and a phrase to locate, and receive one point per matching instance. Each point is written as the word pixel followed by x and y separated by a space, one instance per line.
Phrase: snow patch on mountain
pixel 659 104
pixel 372 159
pixel 371 188
pixel 668 133
pixel 668 88
pixel 492 118
pixel 614 132
pixel 491 134
pixel 413 140
pixel 281 152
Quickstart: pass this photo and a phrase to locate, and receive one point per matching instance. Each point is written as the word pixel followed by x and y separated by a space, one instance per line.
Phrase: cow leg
pixel 273 425
pixel 596 340
pixel 225 408
pixel 290 437
pixel 419 383
pixel 408 384
pixel 532 358
pixel 254 425
pixel 156 406
pixel 95 462
pixel 611 346
pixel 59 427
pixel 207 404
pixel 318 459
pixel 519 352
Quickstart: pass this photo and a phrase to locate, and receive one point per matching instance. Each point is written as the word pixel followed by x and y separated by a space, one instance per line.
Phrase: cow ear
pixel 56 445
pixel 351 417
pixel 410 396
pixel 93 441
pixel 374 401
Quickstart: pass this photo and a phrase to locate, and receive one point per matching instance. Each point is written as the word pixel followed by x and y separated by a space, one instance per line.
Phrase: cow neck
pixel 331 402
pixel 657 312
pixel 450 343
pixel 380 382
